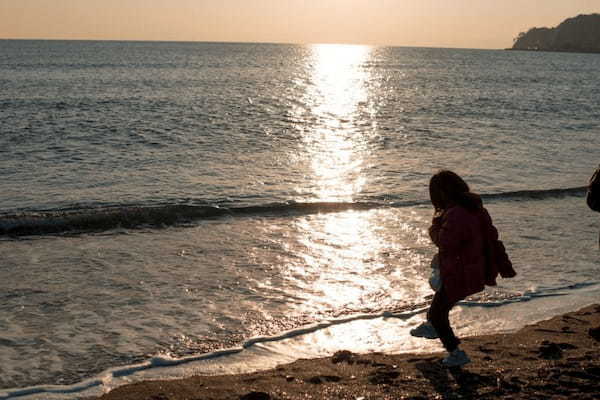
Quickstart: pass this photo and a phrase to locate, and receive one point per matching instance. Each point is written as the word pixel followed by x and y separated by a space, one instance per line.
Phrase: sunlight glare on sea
pixel 334 145
pixel 341 249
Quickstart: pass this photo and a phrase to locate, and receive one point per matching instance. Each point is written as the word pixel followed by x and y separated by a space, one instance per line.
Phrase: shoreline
pixel 558 358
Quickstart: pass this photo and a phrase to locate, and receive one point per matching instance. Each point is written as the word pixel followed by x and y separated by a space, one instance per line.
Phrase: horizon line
pixel 243 42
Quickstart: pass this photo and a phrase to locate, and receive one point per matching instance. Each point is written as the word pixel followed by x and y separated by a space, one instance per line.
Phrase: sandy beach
pixel 558 358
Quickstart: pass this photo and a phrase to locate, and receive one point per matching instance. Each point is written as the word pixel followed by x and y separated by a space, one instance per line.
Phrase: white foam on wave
pixel 386 332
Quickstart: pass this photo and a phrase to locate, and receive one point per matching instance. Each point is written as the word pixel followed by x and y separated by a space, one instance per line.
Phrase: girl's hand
pixel 434 230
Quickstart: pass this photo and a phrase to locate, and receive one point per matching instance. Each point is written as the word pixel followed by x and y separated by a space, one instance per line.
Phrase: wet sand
pixel 558 358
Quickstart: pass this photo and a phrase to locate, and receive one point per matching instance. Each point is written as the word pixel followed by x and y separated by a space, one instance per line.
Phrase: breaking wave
pixel 82 220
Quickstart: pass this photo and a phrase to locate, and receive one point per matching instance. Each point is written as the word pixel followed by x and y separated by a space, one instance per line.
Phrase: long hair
pixel 447 188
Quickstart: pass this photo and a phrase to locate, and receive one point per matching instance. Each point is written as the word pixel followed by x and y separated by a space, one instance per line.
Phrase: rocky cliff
pixel 578 34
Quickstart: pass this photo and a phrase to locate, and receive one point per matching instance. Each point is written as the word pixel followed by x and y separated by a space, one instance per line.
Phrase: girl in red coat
pixel 463 231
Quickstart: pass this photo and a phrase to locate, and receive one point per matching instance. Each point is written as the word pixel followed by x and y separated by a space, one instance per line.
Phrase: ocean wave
pixel 536 194
pixel 85 220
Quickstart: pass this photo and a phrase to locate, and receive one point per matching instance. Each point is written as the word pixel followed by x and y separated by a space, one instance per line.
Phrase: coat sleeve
pixel 491 231
pixel 450 238
pixel 497 261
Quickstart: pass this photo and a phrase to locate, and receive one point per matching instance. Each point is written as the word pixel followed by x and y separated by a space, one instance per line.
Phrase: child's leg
pixel 438 316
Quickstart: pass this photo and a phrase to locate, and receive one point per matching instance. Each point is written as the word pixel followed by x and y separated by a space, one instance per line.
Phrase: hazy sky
pixel 437 23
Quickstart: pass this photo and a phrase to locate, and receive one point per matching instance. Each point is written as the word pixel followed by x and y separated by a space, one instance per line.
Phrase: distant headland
pixel 579 34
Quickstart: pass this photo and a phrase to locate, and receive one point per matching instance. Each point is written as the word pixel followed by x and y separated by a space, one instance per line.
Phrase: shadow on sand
pixel 451 383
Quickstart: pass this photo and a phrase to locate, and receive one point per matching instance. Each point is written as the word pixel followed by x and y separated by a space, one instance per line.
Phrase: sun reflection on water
pixel 339 79
pixel 343 259
pixel 333 144
pixel 358 261
pixel 344 262
pixel 341 252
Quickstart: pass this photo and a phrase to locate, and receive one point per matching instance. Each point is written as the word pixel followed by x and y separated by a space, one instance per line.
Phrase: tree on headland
pixel 578 34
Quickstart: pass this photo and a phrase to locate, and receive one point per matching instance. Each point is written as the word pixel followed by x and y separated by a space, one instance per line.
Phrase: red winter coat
pixel 471 256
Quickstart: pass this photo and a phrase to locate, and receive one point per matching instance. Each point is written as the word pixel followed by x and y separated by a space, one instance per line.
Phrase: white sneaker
pixel 456 359
pixel 425 330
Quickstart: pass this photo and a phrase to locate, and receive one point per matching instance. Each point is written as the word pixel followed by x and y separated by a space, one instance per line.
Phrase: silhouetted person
pixel 593 194
pixel 470 256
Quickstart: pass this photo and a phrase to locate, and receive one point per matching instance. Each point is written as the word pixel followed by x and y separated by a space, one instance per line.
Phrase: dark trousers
pixel 438 316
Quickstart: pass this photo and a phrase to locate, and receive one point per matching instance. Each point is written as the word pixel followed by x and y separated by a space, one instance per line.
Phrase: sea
pixel 172 209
